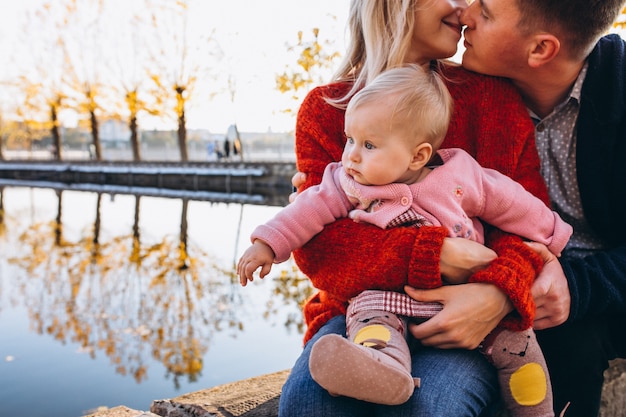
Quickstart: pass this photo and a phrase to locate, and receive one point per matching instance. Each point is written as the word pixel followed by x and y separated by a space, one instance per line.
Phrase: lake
pixel 110 300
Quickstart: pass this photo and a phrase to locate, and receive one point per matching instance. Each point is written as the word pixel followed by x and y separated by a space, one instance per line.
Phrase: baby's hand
pixel 257 255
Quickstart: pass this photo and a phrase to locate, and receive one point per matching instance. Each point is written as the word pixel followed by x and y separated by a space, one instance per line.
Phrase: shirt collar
pixel 574 94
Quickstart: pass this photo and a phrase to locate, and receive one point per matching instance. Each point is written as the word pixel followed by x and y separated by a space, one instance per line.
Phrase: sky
pixel 254 35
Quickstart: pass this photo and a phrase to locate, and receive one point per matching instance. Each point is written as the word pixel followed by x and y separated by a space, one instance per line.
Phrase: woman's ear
pixel 544 49
pixel 421 156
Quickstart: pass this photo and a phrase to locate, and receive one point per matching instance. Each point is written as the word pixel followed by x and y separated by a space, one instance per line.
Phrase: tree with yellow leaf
pixel 130 69
pixel 40 82
pixel 180 56
pixel 314 63
pixel 83 41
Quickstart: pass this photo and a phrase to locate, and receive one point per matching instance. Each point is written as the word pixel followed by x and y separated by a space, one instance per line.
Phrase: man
pixel 572 82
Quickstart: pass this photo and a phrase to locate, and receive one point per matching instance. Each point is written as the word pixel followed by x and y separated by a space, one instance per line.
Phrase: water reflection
pixel 136 295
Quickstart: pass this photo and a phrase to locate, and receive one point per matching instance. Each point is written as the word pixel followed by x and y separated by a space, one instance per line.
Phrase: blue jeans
pixel 454 383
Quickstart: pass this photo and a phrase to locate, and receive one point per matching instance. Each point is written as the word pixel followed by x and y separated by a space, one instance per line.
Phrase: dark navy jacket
pixel 598 282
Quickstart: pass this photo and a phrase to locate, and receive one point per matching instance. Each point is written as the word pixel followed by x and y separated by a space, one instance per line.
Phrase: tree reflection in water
pixel 135 301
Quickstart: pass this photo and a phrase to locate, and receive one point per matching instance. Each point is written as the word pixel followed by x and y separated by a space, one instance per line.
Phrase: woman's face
pixel 437 30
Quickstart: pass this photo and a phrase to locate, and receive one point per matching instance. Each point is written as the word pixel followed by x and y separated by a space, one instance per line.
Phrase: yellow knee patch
pixel 372 332
pixel 529 384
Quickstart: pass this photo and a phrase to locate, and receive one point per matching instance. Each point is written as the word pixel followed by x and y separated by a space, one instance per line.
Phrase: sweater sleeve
pixel 508 206
pixel 297 223
pixel 347 257
pixel 596 283
pixel 513 271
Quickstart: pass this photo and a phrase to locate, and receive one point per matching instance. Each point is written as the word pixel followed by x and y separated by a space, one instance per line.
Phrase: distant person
pixel 226 148
pixel 210 150
pixel 237 148
pixel 218 151
pixel 390 175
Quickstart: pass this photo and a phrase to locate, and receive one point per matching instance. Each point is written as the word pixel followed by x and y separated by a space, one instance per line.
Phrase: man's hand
pixel 470 312
pixel 297 180
pixel 460 258
pixel 550 291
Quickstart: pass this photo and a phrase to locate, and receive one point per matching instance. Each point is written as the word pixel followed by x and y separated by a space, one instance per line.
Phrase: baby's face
pixel 376 151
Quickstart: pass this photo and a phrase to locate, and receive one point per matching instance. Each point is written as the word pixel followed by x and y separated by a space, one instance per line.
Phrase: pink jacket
pixel 457 195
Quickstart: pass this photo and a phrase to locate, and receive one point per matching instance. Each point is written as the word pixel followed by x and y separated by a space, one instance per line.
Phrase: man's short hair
pixel 577 23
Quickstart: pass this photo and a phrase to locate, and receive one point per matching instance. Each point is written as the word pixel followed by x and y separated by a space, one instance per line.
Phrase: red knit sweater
pixel 492 124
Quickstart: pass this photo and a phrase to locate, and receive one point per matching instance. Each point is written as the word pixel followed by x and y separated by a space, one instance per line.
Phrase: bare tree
pixel 40 82
pixel 181 55
pixel 130 67
pixel 83 42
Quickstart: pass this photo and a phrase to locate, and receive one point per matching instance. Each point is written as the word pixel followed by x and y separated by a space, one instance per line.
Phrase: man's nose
pixel 464 17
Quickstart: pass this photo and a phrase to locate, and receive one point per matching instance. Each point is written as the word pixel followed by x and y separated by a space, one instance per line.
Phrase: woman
pixel 491 123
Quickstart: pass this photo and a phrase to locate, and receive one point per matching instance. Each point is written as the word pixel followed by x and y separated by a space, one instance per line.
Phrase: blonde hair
pixel 423 105
pixel 381 32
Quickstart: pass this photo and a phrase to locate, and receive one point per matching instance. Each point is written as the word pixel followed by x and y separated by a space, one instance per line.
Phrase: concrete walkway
pixel 258 397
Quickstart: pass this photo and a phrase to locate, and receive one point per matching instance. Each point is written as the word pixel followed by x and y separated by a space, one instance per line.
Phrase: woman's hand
pixel 297 180
pixel 460 258
pixel 470 312
pixel 550 291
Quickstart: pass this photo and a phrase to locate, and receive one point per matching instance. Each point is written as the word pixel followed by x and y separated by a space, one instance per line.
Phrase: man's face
pixel 493 44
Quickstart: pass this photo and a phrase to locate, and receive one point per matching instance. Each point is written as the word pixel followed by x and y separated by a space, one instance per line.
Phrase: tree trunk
pixel 58 226
pixel 134 138
pixel 96 229
pixel 56 134
pixel 182 137
pixel 95 135
pixel 136 250
pixel 184 255
pixel 1 205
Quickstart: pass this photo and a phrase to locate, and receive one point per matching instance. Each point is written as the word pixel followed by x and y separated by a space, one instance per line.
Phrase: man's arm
pixel 597 283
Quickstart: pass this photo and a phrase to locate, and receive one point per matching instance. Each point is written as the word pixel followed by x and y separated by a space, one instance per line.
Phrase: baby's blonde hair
pixel 423 105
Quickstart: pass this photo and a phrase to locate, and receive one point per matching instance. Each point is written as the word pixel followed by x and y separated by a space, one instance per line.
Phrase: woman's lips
pixel 456 26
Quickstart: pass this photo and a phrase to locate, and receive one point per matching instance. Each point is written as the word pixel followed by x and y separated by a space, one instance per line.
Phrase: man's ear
pixel 421 155
pixel 544 49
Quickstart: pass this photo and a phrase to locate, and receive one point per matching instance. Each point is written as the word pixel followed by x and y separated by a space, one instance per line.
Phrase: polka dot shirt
pixel 556 144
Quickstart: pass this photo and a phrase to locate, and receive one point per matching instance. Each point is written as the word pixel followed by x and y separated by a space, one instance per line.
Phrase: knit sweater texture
pixel 491 123
pixel 458 194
